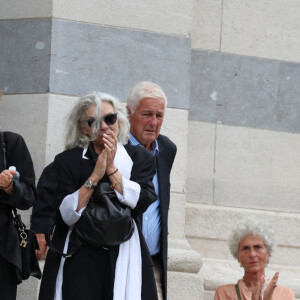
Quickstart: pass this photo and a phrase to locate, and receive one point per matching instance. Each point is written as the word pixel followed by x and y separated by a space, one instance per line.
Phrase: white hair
pixel 74 135
pixel 254 227
pixel 144 89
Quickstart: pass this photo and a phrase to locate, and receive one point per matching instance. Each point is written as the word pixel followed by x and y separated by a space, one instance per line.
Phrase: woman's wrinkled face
pixel 107 112
pixel 253 254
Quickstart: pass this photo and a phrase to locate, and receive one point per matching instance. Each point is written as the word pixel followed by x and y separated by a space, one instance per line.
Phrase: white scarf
pixel 128 274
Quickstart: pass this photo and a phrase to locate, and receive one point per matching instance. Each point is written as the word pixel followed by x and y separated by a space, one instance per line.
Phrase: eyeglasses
pixel 110 119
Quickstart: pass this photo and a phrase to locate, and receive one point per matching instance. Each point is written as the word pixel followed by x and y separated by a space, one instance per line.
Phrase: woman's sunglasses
pixel 110 119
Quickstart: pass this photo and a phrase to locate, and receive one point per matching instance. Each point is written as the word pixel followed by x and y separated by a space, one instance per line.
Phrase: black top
pixel 22 197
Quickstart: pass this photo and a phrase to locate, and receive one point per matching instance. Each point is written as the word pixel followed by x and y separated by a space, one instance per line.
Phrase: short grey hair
pixel 254 227
pixel 144 89
pixel 74 135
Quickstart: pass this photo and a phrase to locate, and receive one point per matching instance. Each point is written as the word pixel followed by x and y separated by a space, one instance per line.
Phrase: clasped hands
pixel 105 161
pixel 268 292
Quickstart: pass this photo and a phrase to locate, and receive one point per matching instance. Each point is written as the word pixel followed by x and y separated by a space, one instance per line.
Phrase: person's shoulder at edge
pixel 164 139
pixel 69 153
pixel 285 292
pixel 168 146
pixel 13 137
pixel 227 290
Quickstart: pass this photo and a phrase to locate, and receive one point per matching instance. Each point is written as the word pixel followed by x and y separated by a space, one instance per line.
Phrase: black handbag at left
pixel 28 245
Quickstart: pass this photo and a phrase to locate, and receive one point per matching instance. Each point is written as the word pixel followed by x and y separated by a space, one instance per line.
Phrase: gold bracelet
pixel 113 185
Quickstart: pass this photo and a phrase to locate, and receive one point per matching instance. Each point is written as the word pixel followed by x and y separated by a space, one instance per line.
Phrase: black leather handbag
pixel 28 244
pixel 105 221
pixel 27 239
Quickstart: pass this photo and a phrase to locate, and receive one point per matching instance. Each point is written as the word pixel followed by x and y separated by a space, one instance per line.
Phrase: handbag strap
pixel 238 291
pixel 74 243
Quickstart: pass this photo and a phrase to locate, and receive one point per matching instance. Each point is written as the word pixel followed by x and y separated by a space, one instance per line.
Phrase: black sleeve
pixel 44 212
pixel 68 172
pixel 143 171
pixel 24 193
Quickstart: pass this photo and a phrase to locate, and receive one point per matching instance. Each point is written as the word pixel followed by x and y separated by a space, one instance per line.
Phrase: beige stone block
pixel 208 295
pixel 169 17
pixel 184 286
pixel 181 260
pixel 27 115
pixel 177 216
pixel 15 9
pixel 60 107
pixel 178 243
pixel 210 248
pixel 208 228
pixel 175 127
pixel 268 29
pixel 200 162
pixel 206 26
pixel 257 169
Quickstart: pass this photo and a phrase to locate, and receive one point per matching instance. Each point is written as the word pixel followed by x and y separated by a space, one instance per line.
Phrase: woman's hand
pixel 6 177
pixel 257 290
pixel 110 143
pixel 42 253
pixel 6 180
pixel 268 293
pixel 100 167
pixel 99 171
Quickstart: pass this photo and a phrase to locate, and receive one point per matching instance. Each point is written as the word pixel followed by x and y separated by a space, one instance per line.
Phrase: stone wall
pixel 231 71
pixel 243 138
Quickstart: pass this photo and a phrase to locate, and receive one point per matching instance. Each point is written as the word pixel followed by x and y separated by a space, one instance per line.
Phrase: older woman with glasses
pixel 97 152
pixel 252 243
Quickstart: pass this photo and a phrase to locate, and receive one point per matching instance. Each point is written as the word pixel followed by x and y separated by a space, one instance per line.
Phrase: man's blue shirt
pixel 151 217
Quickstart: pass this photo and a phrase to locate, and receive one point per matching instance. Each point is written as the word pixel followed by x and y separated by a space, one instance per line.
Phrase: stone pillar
pixel 183 263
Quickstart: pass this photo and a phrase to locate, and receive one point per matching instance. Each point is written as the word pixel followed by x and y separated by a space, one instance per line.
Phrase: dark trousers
pixel 87 275
pixel 8 280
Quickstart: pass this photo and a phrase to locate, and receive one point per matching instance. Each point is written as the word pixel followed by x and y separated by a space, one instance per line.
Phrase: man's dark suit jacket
pixel 164 163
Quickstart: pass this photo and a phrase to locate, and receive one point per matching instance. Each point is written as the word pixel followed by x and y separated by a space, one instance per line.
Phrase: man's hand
pixel 42 253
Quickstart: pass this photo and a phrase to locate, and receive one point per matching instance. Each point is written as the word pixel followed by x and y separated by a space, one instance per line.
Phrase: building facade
pixel 231 71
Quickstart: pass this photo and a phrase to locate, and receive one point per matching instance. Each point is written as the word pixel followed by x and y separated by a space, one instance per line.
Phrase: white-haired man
pixel 146 104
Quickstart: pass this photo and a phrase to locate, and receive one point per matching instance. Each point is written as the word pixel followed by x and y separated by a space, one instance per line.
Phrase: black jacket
pixel 22 197
pixel 71 173
pixel 164 163
pixel 44 211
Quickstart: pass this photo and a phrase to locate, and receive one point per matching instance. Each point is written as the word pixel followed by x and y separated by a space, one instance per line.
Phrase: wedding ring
pixel 112 149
